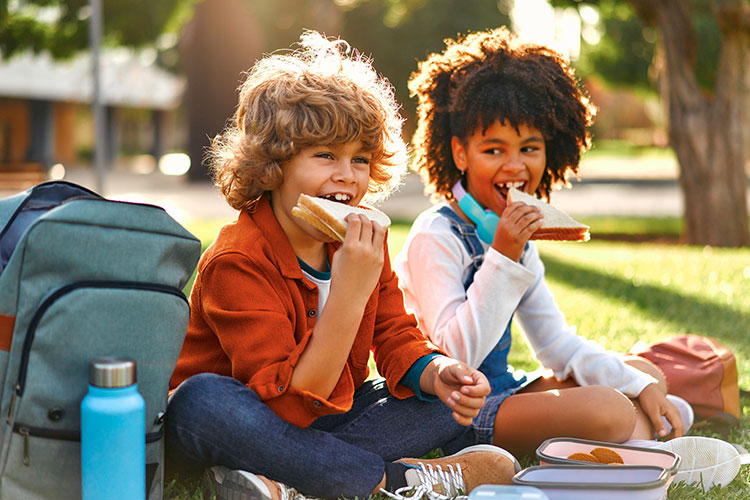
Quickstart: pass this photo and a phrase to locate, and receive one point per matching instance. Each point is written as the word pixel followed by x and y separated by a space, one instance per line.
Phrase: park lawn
pixel 618 293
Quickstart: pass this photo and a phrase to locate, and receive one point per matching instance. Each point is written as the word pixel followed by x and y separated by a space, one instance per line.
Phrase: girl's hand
pixel 517 223
pixel 655 404
pixel 357 265
pixel 459 386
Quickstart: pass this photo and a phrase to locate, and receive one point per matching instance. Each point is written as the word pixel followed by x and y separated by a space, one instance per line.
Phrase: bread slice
pixel 329 216
pixel 557 224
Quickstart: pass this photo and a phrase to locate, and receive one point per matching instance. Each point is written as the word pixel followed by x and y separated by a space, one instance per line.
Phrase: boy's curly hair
pixel 322 94
pixel 494 76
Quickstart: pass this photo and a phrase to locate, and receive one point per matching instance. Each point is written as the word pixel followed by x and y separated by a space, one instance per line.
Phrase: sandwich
pixel 328 216
pixel 557 224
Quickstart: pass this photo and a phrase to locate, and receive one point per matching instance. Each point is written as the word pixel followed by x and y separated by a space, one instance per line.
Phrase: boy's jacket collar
pixel 266 221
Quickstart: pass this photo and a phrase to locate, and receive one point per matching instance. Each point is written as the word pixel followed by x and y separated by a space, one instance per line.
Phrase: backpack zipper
pixel 28 431
pixel 47 303
pixel 25 433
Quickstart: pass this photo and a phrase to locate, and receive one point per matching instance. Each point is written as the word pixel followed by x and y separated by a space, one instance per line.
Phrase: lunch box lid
pixel 584 477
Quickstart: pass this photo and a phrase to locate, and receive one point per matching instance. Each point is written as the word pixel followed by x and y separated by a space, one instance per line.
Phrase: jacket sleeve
pixel 250 308
pixel 397 341
pixel 557 345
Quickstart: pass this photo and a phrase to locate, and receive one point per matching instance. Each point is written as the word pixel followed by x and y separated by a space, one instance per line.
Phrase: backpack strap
pixel 24 208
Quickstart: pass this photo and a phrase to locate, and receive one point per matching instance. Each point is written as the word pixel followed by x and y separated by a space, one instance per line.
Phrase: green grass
pixel 671 227
pixel 628 160
pixel 617 293
pixel 627 149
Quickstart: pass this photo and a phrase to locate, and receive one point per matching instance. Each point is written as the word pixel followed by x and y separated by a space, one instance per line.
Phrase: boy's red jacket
pixel 253 311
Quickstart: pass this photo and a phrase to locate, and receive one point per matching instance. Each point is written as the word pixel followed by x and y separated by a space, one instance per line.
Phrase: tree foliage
pixel 700 67
pixel 398 33
pixel 625 53
pixel 61 26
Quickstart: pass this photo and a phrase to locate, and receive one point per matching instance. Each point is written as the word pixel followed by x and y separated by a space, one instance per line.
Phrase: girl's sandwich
pixel 557 224
pixel 328 216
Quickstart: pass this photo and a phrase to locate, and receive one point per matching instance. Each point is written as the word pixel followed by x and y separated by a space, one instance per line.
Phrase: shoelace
pixel 450 481
pixel 289 493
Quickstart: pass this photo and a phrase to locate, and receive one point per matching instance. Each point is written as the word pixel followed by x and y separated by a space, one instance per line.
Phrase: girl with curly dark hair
pixel 495 112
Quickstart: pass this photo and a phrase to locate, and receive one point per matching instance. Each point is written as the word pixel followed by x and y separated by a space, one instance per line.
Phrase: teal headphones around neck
pixel 486 220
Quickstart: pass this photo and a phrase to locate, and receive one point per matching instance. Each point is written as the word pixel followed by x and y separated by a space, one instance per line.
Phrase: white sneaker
pixel 704 461
pixel 686 413
pixel 454 476
pixel 242 485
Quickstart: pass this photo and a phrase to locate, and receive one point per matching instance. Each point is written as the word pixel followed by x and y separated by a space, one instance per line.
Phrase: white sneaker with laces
pixel 243 485
pixel 454 476
pixel 705 461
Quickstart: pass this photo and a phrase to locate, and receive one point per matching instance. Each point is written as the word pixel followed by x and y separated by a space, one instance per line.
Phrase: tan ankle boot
pixel 461 472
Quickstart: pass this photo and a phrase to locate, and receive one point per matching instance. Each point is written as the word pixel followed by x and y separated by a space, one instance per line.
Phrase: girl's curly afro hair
pixel 494 76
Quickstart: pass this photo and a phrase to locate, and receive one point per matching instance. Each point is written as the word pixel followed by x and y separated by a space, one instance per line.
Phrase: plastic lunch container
pixel 596 482
pixel 506 492
pixel 555 452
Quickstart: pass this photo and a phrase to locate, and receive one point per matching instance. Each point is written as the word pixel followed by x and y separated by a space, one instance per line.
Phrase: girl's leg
pixel 647 366
pixel 524 420
pixel 550 382
pixel 642 428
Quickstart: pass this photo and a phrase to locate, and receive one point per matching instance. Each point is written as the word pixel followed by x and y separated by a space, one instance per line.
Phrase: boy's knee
pixel 200 395
pixel 194 388
pixel 614 416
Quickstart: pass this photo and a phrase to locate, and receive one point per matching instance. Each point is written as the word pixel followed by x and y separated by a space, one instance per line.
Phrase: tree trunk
pixel 709 134
pixel 220 42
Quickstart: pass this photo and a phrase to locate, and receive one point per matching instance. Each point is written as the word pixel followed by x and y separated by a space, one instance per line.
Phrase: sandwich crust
pixel 329 216
pixel 308 216
pixel 557 224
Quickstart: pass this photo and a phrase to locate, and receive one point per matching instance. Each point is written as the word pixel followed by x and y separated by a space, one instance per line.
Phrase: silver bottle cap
pixel 112 372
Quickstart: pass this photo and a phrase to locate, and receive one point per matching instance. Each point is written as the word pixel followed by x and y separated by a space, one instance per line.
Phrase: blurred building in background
pixel 45 105
pixel 45 113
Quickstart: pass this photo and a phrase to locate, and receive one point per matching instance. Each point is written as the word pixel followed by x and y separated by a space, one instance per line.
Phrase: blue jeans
pixel 216 420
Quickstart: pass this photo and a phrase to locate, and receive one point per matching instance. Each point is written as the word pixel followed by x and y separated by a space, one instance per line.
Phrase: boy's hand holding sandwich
pixel 358 263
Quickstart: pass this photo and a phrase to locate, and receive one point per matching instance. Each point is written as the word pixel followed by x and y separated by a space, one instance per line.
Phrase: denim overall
pixel 495 365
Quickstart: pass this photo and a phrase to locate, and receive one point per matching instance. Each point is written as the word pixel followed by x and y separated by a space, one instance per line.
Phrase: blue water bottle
pixel 113 427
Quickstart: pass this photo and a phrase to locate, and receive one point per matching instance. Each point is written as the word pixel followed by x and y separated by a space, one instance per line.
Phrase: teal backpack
pixel 82 277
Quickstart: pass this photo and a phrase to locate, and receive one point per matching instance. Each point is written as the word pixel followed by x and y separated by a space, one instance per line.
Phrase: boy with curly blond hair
pixel 271 389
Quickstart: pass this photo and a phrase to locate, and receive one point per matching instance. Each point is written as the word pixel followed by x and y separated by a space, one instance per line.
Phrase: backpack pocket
pixel 78 322
pixel 34 450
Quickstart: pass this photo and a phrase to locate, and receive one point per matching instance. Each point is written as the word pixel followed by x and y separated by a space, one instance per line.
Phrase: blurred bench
pixel 18 176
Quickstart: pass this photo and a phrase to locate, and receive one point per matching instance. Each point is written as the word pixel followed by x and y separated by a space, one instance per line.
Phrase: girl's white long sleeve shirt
pixel 467 324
